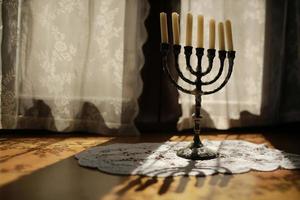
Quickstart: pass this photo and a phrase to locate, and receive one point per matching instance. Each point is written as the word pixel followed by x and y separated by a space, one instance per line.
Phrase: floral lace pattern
pixel 65 57
pixel 160 159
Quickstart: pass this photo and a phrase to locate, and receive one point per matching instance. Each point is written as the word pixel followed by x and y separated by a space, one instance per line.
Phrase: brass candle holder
pixel 196 150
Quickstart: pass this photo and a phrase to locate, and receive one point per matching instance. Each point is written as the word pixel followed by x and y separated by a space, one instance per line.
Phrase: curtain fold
pixel 282 62
pixel 71 65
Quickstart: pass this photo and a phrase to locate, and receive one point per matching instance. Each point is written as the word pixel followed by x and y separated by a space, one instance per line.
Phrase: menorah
pixel 196 150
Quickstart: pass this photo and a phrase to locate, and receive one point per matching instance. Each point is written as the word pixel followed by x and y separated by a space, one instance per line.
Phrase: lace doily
pixel 159 159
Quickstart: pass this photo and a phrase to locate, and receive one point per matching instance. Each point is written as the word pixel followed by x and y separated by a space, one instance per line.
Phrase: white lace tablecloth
pixel 159 159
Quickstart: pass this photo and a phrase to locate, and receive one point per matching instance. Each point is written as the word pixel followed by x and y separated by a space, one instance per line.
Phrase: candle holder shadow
pixel 196 150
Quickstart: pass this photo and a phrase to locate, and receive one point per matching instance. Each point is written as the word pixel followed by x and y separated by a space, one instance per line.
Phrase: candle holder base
pixel 197 152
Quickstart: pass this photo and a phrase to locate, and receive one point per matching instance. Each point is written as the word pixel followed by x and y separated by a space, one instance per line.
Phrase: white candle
pixel 175 26
pixel 200 31
pixel 221 36
pixel 212 33
pixel 163 27
pixel 189 29
pixel 229 35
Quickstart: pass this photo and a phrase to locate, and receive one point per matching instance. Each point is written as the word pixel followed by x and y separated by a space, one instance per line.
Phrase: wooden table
pixel 42 166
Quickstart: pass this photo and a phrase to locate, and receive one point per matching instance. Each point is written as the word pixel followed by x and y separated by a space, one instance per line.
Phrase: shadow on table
pixel 284 137
pixel 62 180
pixel 178 184
pixel 67 180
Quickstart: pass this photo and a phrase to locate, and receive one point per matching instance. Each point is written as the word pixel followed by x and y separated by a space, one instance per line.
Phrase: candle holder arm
pixel 222 56
pixel 176 51
pixel 164 48
pixel 188 50
pixel 231 56
pixel 211 53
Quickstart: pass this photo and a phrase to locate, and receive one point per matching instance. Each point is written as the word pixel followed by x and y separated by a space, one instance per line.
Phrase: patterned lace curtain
pixel 72 65
pixel 239 103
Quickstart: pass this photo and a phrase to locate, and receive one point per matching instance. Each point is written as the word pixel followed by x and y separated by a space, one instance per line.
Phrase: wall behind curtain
pixel 72 65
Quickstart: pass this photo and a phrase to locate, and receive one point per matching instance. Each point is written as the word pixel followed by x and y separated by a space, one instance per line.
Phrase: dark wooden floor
pixel 43 167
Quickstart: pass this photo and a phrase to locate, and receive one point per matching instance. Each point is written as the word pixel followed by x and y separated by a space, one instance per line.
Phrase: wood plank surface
pixel 44 167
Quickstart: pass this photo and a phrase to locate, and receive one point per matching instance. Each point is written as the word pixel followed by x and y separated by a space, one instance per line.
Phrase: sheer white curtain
pixel 72 65
pixel 239 103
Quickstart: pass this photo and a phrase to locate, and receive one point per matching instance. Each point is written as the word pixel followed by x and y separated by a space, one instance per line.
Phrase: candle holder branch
pixel 196 150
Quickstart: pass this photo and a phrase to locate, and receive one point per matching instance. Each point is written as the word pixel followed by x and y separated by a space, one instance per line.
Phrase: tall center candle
pixel 200 31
